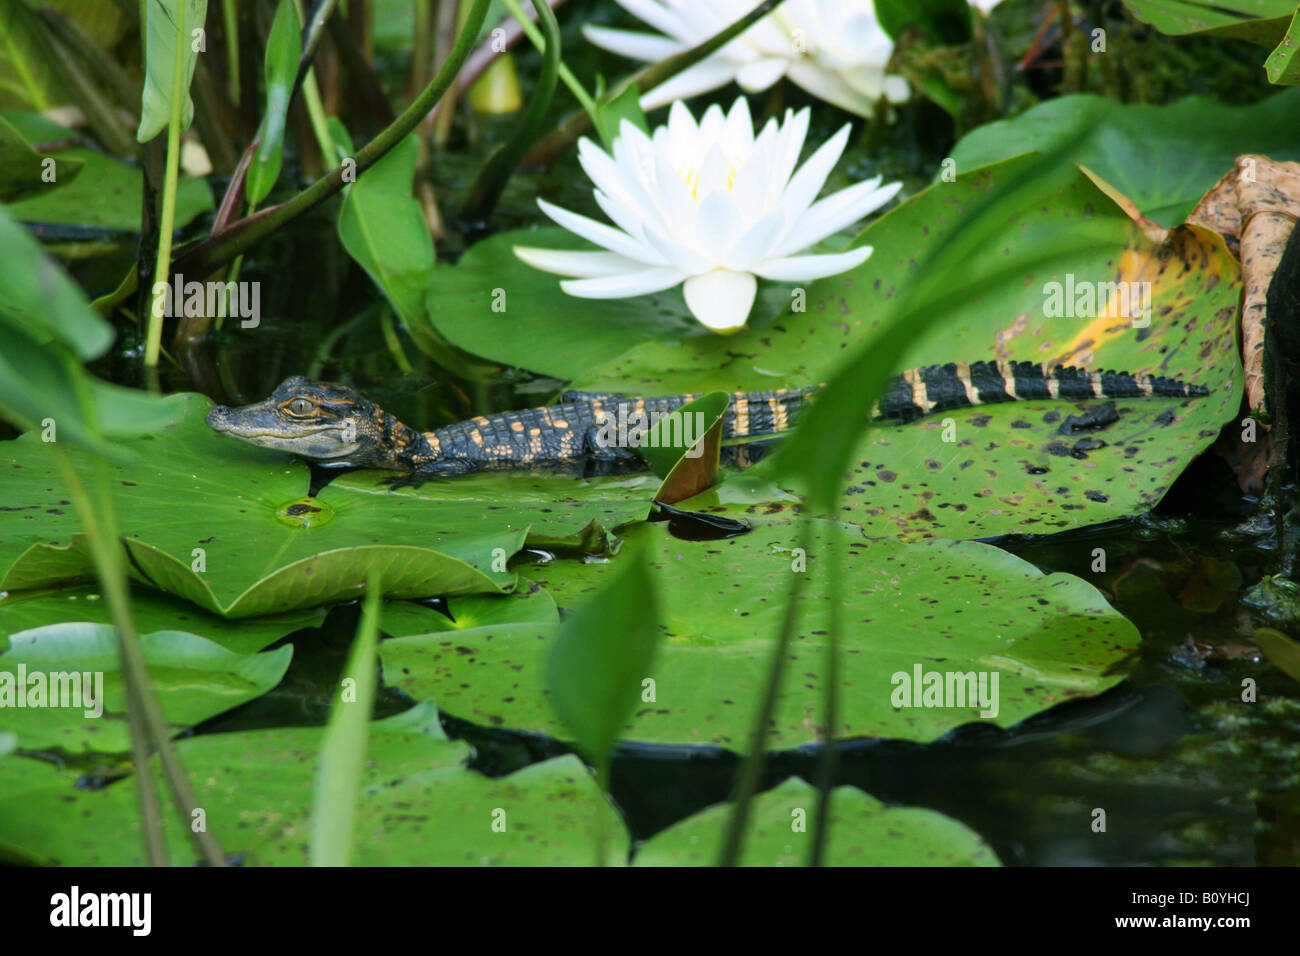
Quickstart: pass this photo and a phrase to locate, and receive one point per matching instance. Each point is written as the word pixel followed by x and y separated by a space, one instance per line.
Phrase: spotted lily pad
pixel 1163 158
pixel 1019 466
pixel 863 832
pixel 934 608
pixel 195 679
pixel 229 527
pixel 152 611
pixel 419 805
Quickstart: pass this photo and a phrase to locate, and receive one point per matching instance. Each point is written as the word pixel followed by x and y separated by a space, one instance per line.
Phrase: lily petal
pixel 760 75
pixel 753 247
pixel 808 181
pixel 708 74
pixel 828 216
pixel 623 286
pixel 602 235
pixel 647 47
pixel 721 299
pixel 586 265
pixel 806 268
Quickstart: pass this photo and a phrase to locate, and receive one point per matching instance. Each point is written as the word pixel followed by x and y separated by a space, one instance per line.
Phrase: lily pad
pixel 152 611
pixel 495 306
pixel 1263 21
pixel 1004 468
pixel 527 605
pixel 1163 158
pixel 945 607
pixel 554 504
pixel 195 679
pixel 863 832
pixel 105 194
pixel 229 527
pixel 419 806
pixel 21 169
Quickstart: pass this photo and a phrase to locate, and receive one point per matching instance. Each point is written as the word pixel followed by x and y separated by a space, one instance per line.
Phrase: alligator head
pixel 323 422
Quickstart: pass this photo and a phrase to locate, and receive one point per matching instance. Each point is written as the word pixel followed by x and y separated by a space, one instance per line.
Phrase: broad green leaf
pixel 684 447
pixel 1163 158
pixel 39 387
pixel 598 665
pixel 343 748
pixel 1282 65
pixel 283 50
pixel 151 611
pixel 21 170
pixel 41 301
pixel 1280 650
pixel 106 194
pixel 168 22
pixel 864 832
pixel 493 305
pixel 610 116
pixel 1262 21
pixel 1004 468
pixel 419 805
pixel 195 679
pixel 382 228
pixel 941 22
pixel 945 607
pixel 229 527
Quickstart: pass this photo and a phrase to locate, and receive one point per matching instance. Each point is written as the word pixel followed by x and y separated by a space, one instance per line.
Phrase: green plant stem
pixel 831 698
pixel 421 44
pixel 112 580
pixel 104 66
pixel 537 39
pixel 450 18
pixel 154 342
pixel 751 771
pixel 310 89
pixel 230 24
pixel 491 180
pixel 144 711
pixel 35 95
pixel 221 248
pixel 394 344
pixel 602 807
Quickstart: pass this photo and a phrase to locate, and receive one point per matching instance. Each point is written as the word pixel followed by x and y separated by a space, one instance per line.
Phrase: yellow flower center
pixel 690 174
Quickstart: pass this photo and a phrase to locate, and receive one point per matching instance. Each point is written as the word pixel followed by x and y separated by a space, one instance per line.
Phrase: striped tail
pixel 749 414
pixel 936 388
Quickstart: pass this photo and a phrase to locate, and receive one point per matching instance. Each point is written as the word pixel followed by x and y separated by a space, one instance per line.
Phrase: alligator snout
pixel 218 418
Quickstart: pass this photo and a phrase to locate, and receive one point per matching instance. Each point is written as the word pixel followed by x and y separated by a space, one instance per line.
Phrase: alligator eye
pixel 301 406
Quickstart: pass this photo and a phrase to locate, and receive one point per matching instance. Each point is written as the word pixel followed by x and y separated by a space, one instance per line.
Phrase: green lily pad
pixel 195 679
pixel 546 504
pixel 527 605
pixel 1262 21
pixel 105 194
pixel 1163 158
pixel 495 306
pixel 419 806
pixel 152 611
pixel 220 523
pixel 863 832
pixel 1006 468
pixel 943 606
pixel 21 169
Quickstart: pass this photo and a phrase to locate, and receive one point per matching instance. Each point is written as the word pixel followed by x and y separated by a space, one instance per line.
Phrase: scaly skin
pixel 335 427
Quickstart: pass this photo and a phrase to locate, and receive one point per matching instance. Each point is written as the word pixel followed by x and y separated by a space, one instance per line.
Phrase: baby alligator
pixel 333 426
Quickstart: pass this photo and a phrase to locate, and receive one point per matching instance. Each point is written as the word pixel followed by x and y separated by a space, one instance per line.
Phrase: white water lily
pixel 834 49
pixel 709 206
